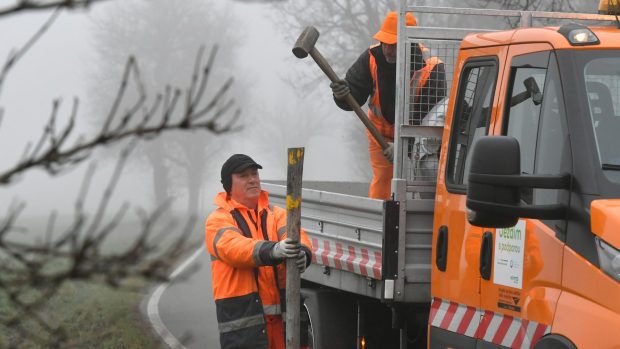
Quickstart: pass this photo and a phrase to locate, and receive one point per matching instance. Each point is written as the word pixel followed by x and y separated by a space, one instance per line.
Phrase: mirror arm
pixel 526 211
pixel 561 181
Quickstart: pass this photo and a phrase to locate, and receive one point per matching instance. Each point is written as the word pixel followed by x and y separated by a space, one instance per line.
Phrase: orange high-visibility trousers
pixel 275 332
pixel 381 184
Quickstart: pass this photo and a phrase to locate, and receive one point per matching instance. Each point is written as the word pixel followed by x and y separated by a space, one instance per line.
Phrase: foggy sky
pixel 58 66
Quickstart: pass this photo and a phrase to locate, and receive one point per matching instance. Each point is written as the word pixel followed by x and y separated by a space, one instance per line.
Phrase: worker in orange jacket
pixel 373 77
pixel 248 243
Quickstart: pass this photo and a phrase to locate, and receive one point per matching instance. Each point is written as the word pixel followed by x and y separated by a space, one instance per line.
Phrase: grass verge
pixel 93 316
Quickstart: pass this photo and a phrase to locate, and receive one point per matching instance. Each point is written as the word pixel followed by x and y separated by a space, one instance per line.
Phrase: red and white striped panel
pixel 345 257
pixel 489 326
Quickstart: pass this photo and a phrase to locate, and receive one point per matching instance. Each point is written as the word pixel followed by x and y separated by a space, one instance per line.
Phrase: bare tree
pixel 535 5
pixel 162 34
pixel 346 28
pixel 31 272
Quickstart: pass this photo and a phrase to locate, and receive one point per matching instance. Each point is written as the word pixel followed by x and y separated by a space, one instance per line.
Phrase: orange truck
pixel 503 230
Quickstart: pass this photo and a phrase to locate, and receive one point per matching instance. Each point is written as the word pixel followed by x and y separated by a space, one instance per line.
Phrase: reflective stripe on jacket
pixel 428 87
pixel 374 103
pixel 420 77
pixel 247 283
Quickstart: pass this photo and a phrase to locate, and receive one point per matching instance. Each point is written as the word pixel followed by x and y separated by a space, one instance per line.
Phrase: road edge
pixel 152 307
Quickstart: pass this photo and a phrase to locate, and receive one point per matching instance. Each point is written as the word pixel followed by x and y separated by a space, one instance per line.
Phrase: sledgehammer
pixel 304 47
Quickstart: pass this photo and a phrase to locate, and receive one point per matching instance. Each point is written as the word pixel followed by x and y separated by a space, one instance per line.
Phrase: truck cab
pixel 526 260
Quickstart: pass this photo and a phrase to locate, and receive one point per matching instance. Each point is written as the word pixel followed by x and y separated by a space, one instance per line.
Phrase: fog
pixel 283 102
pixel 278 109
pixel 61 64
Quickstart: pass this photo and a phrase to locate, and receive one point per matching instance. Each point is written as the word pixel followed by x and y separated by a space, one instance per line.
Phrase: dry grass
pixel 91 314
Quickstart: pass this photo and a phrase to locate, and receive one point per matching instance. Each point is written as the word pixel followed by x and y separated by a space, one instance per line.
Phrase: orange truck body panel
pixel 461 281
pixel 592 295
pixel 607 35
pixel 560 288
pixel 606 220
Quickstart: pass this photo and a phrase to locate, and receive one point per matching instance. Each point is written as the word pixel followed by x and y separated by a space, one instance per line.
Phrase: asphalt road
pixel 182 312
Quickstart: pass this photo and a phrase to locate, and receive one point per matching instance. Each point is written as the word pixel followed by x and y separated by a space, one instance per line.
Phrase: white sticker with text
pixel 508 261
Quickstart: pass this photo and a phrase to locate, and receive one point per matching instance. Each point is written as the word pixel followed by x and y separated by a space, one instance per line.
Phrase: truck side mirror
pixel 531 91
pixel 493 156
pixel 531 86
pixel 493 193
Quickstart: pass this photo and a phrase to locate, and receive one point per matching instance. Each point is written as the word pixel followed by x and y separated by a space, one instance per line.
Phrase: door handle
pixel 441 257
pixel 486 255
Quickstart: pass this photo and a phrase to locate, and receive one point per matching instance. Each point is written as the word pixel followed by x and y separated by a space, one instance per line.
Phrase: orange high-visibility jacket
pixel 247 283
pixel 419 82
pixel 372 78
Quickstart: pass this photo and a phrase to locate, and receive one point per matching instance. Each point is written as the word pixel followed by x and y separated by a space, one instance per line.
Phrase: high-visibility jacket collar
pixel 226 202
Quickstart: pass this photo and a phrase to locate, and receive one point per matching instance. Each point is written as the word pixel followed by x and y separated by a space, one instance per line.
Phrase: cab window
pixel 525 104
pixel 602 81
pixel 535 117
pixel 471 118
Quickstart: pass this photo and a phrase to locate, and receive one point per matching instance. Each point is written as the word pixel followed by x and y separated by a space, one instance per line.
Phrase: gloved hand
pixel 286 248
pixel 389 152
pixel 340 89
pixel 301 261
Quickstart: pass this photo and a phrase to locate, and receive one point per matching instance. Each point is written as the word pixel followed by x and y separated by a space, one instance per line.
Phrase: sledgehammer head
pixel 305 42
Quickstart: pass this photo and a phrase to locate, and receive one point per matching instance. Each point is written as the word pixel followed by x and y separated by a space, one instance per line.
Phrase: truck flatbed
pixel 348 235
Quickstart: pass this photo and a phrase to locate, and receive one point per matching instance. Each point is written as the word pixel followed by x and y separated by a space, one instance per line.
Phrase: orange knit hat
pixel 389 29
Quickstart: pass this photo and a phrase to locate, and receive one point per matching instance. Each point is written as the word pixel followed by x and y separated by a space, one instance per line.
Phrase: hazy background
pixel 82 55
pixel 284 102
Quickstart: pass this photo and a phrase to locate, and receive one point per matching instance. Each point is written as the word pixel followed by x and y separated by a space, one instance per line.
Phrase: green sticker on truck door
pixel 508 261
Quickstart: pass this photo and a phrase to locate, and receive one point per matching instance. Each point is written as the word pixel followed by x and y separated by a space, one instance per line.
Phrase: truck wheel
pixel 554 341
pixel 332 317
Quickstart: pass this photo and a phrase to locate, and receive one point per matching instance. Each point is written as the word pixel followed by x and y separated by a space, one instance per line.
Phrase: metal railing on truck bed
pixel 422 105
pixel 347 233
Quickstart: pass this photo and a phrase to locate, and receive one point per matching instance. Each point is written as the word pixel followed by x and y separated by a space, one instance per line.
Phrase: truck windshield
pixel 601 73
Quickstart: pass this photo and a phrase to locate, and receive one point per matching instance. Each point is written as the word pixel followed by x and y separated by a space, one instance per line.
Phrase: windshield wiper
pixel 614 167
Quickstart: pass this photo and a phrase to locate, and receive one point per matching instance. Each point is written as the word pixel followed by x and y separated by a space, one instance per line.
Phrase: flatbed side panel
pixel 347 236
pixel 418 246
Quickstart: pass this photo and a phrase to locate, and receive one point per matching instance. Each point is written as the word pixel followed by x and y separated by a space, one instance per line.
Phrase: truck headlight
pixel 609 258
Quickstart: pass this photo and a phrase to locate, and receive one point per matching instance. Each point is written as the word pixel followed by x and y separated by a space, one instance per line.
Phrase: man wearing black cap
pixel 248 244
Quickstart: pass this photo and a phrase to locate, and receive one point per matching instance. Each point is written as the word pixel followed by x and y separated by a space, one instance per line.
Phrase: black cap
pixel 235 164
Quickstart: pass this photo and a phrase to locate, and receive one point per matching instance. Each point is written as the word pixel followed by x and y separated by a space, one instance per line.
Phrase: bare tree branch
pixel 32 5
pixel 130 66
pixel 51 154
pixel 16 55
pixel 195 99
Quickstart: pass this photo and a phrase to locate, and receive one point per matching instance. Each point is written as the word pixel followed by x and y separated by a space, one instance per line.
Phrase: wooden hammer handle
pixel 327 69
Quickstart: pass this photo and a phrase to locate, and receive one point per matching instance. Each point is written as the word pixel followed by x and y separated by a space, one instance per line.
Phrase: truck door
pixel 455 277
pixel 521 286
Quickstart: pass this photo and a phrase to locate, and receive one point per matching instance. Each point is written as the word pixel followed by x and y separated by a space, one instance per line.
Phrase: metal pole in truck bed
pixel 293 222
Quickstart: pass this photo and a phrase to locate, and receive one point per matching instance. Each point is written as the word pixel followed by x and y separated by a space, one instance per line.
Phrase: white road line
pixel 153 305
